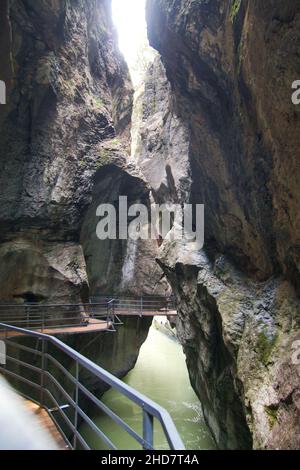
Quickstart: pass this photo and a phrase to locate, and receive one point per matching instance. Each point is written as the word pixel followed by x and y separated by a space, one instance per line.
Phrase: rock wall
pixel 230 65
pixel 65 126
pixel 68 116
pixel 68 92
pixel 120 266
pixel 162 143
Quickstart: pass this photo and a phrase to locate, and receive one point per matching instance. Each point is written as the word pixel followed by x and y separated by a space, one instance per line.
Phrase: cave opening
pixel 30 297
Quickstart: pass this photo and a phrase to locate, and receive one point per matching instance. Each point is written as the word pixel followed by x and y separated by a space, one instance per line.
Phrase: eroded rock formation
pixel 68 92
pixel 231 65
pixel 217 126
pixel 67 119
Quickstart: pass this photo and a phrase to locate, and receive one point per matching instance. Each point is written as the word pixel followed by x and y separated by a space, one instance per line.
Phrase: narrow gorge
pixel 209 121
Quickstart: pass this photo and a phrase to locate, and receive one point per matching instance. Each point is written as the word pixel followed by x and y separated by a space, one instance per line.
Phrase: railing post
pixel 5 350
pixel 43 372
pixel 76 405
pixel 148 434
pixel 114 314
pixel 141 307
pixel 78 391
pixel 111 312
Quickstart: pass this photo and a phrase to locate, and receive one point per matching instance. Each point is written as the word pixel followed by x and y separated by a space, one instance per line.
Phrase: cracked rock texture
pixel 67 119
pixel 68 94
pixel 230 66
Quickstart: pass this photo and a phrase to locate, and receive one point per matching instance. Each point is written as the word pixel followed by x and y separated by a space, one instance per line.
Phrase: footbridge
pixel 101 314
pixel 61 384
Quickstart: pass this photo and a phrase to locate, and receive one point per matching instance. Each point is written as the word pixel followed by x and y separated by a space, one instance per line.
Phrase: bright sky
pixel 130 20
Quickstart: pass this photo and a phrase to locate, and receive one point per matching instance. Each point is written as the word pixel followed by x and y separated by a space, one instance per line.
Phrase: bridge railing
pixel 141 307
pixel 43 317
pixel 55 376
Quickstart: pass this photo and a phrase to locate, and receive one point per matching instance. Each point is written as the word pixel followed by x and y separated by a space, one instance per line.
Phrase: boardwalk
pixel 54 379
pixel 46 423
pixel 95 326
pixel 67 319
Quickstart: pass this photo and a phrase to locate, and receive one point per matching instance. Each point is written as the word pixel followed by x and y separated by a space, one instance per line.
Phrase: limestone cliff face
pixel 231 65
pixel 66 126
pixel 67 119
pixel 68 94
pixel 162 144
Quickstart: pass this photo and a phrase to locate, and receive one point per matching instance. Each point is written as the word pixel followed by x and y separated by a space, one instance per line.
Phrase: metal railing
pixel 52 375
pixel 43 317
pixel 144 306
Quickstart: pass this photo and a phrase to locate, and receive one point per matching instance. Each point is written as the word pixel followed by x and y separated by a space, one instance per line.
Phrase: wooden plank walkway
pixel 47 424
pixel 94 326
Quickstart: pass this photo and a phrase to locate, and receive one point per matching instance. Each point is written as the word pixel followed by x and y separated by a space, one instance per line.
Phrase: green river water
pixel 160 374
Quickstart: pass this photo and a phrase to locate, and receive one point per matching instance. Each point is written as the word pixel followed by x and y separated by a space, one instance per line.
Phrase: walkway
pixel 95 326
pixel 143 307
pixel 46 423
pixel 59 319
pixel 62 381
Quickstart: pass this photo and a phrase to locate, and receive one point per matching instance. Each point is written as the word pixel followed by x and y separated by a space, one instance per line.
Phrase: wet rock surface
pixel 230 66
pixel 69 94
pixel 214 124
pixel 67 119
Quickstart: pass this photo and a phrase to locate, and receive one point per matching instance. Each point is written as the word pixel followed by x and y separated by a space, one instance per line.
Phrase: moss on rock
pixel 235 7
pixel 272 416
pixel 265 345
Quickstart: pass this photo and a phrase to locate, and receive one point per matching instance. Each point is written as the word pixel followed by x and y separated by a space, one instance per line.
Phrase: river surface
pixel 160 374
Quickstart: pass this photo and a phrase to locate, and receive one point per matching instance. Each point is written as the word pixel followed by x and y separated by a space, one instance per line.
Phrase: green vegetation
pixel 115 141
pixel 272 415
pixel 98 102
pixel 103 158
pixel 265 346
pixel 82 163
pixel 235 7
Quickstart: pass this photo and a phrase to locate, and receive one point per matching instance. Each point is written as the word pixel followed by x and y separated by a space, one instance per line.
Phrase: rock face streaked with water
pixel 231 65
pixel 65 127
pixel 216 126
pixel 67 118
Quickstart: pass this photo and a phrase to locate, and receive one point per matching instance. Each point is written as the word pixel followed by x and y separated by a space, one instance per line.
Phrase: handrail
pixel 75 440
pixel 44 316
